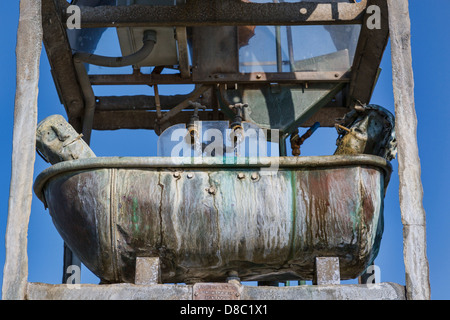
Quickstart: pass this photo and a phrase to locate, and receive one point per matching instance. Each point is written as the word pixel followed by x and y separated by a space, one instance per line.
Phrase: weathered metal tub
pixel 204 220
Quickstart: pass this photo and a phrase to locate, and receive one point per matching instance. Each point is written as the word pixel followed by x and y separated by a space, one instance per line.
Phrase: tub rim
pixel 287 162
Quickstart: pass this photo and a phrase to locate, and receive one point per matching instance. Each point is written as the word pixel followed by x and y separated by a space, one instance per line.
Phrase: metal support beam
pixel 28 52
pixel 411 191
pixel 369 52
pixel 222 13
pixel 60 58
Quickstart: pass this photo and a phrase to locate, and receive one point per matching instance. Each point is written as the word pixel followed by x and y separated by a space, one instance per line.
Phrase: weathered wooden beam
pixel 222 13
pixel 28 51
pixel 369 53
pixel 411 191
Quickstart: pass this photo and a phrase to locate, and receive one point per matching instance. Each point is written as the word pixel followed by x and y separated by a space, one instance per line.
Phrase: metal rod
pixel 89 99
pixel 290 44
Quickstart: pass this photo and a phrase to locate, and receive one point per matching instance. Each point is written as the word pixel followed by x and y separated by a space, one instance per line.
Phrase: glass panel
pixel 298 48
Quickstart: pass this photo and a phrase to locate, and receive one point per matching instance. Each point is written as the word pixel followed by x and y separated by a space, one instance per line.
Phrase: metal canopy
pixel 86 111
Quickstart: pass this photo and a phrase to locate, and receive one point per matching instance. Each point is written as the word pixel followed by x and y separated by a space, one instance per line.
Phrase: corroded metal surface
pixel 112 210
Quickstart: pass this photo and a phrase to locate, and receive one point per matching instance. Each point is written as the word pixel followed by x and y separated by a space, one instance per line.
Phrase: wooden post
pixel 411 191
pixel 28 51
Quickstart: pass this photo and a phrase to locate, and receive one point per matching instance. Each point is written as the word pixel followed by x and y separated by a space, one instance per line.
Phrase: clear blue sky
pixel 431 51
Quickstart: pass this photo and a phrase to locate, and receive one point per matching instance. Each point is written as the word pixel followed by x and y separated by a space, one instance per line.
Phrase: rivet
pixel 211 190
pixel 190 175
pixel 255 176
pixel 241 175
pixel 176 175
pixel 258 76
pixel 336 75
pixel 303 11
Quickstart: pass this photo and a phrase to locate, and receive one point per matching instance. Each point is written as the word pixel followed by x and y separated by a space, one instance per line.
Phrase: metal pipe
pixel 116 62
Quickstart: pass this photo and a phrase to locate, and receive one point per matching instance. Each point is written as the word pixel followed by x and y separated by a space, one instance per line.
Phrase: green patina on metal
pixel 293 184
pixel 136 213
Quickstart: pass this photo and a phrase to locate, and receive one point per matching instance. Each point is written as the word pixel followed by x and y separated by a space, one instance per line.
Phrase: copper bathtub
pixel 205 220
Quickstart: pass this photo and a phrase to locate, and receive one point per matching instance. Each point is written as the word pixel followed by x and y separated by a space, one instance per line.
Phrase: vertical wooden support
pixel 411 192
pixel 28 51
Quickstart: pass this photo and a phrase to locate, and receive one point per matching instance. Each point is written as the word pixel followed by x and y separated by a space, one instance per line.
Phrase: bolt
pixel 190 175
pixel 176 175
pixel 241 175
pixel 258 76
pixel 303 11
pixel 336 75
pixel 255 176
pixel 237 294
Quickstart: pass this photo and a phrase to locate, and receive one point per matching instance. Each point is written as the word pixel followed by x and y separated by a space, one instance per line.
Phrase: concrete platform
pixel 379 291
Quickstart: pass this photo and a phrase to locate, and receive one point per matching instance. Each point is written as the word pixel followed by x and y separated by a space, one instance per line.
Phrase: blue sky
pixel 431 49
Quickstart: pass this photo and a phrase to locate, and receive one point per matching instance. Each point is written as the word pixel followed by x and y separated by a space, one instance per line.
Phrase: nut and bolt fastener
pixel 255 176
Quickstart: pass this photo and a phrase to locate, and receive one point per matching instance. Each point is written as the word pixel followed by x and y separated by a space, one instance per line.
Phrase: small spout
pixel 191 126
pixel 239 111
pixel 297 141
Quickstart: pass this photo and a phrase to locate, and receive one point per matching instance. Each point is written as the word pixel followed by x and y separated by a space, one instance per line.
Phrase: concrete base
pixel 379 291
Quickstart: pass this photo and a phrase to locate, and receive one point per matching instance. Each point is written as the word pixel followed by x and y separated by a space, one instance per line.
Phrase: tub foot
pixel 148 270
pixel 327 271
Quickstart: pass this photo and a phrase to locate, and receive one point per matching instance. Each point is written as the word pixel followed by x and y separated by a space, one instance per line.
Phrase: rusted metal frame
pixel 369 52
pixel 139 102
pixel 259 77
pixel 60 58
pixel 110 119
pixel 114 120
pixel 89 99
pixel 222 13
pixel 291 77
pixel 137 79
pixel 183 52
